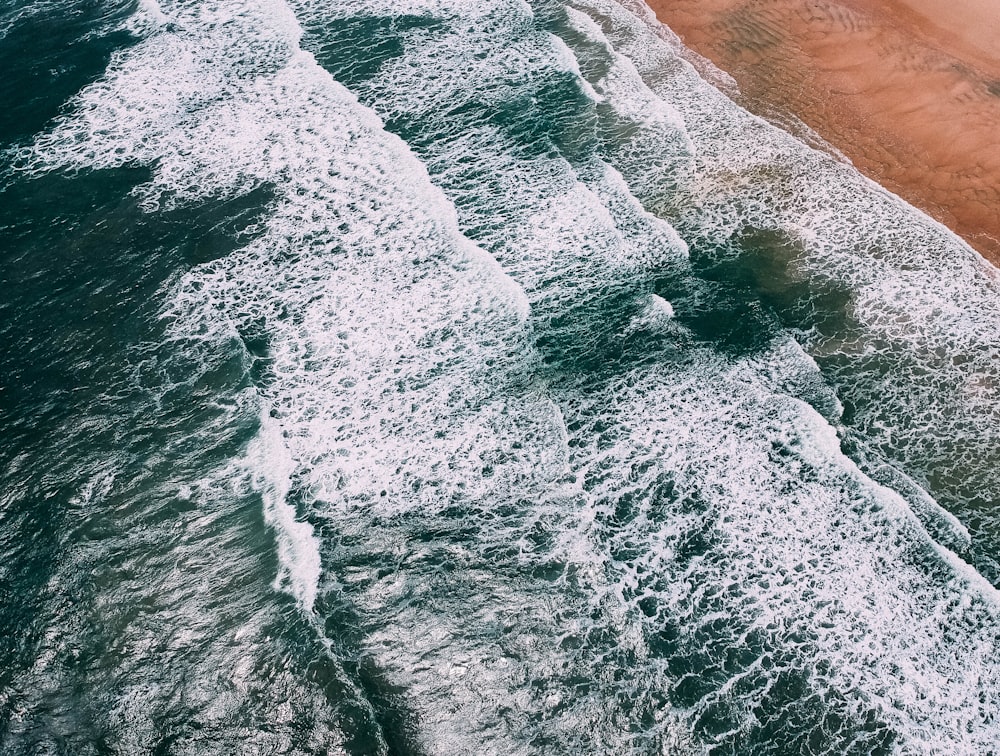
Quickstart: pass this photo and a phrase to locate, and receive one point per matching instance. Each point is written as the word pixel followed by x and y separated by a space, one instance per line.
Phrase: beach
pixel 908 90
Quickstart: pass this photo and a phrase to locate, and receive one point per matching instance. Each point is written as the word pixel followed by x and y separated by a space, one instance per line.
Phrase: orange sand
pixel 909 90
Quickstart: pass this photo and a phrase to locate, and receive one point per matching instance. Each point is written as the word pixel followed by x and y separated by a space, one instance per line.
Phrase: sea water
pixel 459 377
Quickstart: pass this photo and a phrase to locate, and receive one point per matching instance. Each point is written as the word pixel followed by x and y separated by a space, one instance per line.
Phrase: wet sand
pixel 909 90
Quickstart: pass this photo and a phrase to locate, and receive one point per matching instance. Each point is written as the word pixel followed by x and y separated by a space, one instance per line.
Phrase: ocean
pixel 449 376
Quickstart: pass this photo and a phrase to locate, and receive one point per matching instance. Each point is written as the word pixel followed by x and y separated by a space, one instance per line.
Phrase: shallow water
pixel 449 377
pixel 908 91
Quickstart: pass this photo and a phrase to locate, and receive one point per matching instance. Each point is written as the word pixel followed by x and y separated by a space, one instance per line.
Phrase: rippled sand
pixel 909 90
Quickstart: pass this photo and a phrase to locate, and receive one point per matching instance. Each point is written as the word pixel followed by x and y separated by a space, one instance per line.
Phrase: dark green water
pixel 457 378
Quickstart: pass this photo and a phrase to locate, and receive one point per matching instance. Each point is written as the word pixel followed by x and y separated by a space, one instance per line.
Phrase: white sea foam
pixel 148 18
pixel 917 291
pixel 920 310
pixel 564 526
pixel 298 547
pixel 398 357
pixel 178 102
pixel 795 540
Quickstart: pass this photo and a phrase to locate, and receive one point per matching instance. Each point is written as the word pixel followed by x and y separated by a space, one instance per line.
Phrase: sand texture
pixel 909 90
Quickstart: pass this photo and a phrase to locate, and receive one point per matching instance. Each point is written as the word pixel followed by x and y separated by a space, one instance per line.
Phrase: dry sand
pixel 909 90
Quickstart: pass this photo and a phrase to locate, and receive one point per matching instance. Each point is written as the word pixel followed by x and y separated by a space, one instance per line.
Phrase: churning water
pixel 448 376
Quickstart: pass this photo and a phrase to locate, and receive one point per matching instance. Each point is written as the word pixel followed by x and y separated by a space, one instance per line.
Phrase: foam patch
pixel 554 390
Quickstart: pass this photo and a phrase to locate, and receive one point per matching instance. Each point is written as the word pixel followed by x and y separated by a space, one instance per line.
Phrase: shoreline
pixel 908 90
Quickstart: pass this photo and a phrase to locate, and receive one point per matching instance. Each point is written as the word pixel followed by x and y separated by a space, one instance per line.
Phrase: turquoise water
pixel 450 377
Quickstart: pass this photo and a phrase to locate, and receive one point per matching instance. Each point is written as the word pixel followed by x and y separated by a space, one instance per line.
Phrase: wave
pixel 596 413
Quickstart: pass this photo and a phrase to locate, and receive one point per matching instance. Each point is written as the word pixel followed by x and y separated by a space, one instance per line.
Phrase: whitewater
pixel 484 380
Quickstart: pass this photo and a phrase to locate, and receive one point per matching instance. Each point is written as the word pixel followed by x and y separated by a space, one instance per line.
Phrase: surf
pixel 581 409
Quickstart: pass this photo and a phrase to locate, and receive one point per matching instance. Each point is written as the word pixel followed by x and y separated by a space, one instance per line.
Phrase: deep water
pixel 452 377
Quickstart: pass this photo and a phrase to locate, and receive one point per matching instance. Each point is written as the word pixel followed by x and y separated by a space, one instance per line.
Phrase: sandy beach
pixel 909 90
